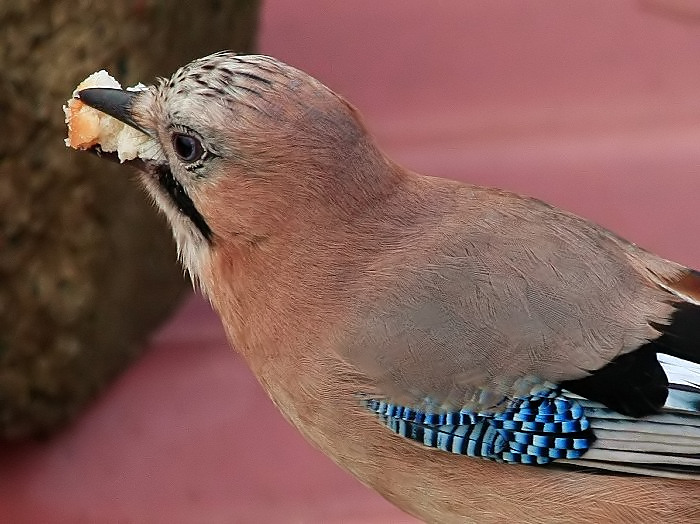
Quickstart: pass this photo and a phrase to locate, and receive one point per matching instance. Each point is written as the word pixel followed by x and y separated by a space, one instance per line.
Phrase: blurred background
pixel 120 399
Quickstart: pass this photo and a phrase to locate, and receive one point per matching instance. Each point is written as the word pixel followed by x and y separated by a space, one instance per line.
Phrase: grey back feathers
pixel 509 289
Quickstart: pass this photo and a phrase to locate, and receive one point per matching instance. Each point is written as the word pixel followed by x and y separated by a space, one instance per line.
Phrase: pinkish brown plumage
pixel 364 296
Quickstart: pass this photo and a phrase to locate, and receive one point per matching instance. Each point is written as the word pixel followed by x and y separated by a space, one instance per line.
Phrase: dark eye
pixel 187 147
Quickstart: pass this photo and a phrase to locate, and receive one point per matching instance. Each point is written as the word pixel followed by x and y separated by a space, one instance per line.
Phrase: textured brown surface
pixel 79 289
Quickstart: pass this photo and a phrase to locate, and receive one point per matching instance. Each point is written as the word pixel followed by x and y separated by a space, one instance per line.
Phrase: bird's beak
pixel 116 103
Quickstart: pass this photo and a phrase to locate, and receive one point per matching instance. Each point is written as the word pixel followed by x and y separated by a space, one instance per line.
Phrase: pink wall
pixel 590 104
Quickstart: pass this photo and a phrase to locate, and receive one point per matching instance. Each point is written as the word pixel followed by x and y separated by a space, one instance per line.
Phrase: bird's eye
pixel 187 147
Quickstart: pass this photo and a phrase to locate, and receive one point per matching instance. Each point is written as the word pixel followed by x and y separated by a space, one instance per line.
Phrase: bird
pixel 471 354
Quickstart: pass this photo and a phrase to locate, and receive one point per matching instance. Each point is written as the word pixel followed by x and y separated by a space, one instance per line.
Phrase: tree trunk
pixel 87 266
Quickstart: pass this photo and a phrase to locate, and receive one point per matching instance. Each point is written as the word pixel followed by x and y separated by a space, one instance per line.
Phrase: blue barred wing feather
pixel 560 428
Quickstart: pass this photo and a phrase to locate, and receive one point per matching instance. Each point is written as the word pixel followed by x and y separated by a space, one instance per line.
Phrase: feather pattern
pixel 532 430
pixel 559 426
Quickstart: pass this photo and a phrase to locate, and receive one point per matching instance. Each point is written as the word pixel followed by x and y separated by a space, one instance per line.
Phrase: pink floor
pixel 591 105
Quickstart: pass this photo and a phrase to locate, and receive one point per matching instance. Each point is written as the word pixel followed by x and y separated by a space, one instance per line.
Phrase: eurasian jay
pixel 469 353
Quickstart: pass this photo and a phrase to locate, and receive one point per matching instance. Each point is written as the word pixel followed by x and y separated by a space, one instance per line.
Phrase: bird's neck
pixel 286 291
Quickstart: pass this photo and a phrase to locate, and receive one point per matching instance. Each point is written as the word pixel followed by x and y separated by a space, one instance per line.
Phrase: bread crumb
pixel 88 127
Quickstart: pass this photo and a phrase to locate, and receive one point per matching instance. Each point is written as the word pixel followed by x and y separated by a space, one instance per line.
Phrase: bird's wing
pixel 507 293
pixel 509 302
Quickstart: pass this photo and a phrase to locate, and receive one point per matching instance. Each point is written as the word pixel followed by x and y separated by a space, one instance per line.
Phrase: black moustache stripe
pixel 182 200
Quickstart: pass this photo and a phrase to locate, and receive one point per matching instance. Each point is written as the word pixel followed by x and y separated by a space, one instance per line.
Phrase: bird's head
pixel 246 146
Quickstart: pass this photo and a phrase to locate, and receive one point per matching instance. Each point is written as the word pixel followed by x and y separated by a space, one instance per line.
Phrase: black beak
pixel 116 103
